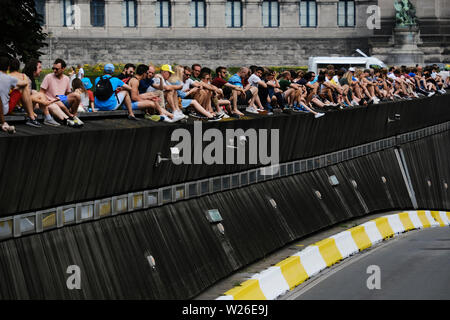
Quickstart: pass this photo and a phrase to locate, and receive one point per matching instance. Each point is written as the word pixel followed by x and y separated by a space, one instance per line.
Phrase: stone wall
pixel 208 52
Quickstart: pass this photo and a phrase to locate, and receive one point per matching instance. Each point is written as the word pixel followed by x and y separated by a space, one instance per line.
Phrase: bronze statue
pixel 405 13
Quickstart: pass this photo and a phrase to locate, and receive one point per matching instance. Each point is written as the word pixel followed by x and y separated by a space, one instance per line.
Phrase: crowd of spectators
pixel 182 91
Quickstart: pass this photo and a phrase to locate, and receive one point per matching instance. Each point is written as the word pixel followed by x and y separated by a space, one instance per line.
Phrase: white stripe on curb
pixel 311 260
pixel 272 282
pixel 345 244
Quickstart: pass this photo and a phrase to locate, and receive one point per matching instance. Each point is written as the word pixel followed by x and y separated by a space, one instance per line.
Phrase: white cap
pixel 351 69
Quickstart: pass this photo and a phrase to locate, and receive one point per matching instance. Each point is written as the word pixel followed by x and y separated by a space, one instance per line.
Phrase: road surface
pixel 415 265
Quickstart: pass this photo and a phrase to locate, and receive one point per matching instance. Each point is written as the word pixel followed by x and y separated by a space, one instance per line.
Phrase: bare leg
pixel 27 102
pixel 74 100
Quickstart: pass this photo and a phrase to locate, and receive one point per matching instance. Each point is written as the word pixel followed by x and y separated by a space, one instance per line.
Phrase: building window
pixel 198 14
pixel 270 14
pixel 346 13
pixel 163 16
pixel 233 14
pixel 97 13
pixel 67 13
pixel 129 13
pixel 39 5
pixel 308 13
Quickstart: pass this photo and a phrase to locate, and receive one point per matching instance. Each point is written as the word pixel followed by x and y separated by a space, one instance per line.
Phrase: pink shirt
pixel 55 86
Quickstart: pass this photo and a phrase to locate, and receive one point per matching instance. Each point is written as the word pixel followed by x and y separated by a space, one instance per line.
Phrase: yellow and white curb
pixel 291 272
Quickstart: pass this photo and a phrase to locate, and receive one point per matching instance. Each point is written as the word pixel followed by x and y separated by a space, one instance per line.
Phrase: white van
pixel 364 62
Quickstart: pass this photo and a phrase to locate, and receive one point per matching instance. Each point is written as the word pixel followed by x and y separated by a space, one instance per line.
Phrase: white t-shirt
pixel 253 80
pixel 6 84
pixel 392 76
pixel 80 73
pixel 187 85
pixel 156 82
pixel 444 75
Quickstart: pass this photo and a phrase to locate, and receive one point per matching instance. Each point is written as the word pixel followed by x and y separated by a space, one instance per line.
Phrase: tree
pixel 21 34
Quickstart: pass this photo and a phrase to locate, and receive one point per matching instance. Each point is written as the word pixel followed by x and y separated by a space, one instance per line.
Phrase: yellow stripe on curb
pixel 248 290
pixel 406 221
pixel 437 216
pixel 293 271
pixel 329 251
pixel 384 227
pixel 423 218
pixel 360 237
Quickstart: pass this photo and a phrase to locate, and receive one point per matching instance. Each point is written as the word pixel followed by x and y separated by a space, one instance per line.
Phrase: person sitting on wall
pixel 111 93
pixel 22 95
pixel 33 69
pixel 177 79
pixel 240 95
pixel 57 85
pixel 127 72
pixel 4 126
pixel 214 95
pixel 255 81
pixel 146 100
pixel 170 91
pixel 153 84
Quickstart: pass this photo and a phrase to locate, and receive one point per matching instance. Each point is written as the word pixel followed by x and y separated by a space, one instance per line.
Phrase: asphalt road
pixel 416 265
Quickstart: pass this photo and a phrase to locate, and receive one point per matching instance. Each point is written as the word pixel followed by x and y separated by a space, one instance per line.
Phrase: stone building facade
pixel 225 32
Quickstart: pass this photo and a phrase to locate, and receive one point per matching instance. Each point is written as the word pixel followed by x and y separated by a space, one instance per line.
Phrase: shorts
pixel 14 98
pixel 134 105
pixel 64 100
pixel 227 92
pixel 244 101
pixel 186 103
pixel 120 97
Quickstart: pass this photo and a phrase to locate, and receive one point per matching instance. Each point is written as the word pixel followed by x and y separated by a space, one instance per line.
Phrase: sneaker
pixel 68 122
pixel 180 114
pixel 318 115
pixel 132 118
pixel 214 118
pixel 197 115
pixel 166 119
pixel 251 110
pixel 78 121
pixel 154 117
pixel 33 123
pixel 177 117
pixel 432 93
pixel 51 122
pixel 442 91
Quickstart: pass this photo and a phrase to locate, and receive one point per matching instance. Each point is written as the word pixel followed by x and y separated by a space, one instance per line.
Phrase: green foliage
pixel 21 34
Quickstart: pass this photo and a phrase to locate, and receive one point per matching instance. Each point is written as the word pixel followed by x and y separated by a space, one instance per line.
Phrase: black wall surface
pixel 190 253
pixel 48 167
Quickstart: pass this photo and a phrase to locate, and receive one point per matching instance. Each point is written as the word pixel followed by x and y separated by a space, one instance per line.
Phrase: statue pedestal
pixel 406 50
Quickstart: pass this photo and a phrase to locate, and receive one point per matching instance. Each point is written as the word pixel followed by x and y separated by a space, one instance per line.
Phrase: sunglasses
pixel 56 69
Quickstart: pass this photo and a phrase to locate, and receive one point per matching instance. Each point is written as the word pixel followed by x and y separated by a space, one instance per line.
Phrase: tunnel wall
pixel 191 253
pixel 51 167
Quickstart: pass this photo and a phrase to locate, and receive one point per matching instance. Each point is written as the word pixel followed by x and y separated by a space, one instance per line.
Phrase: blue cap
pixel 87 83
pixel 109 68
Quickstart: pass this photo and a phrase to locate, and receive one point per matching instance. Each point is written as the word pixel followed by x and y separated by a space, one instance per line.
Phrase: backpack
pixel 103 89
